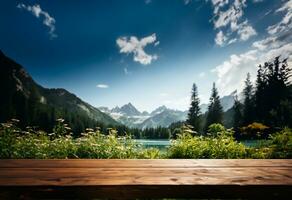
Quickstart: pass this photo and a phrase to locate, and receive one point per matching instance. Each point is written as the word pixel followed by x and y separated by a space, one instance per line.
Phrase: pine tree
pixel 248 110
pixel 277 90
pixel 194 113
pixel 215 110
pixel 273 94
pixel 237 116
pixel 261 84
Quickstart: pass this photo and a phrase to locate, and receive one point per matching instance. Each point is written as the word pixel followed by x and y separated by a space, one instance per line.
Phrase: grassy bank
pixel 217 143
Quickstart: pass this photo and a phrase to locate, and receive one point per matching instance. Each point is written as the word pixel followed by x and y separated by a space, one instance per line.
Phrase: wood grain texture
pixel 145 178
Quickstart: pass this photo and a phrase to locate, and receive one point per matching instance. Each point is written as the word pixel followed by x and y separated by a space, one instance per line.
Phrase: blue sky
pixel 148 52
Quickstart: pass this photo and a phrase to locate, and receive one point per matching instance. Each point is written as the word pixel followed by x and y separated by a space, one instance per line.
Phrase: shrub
pixel 254 130
pixel 282 144
pixel 221 146
pixel 215 129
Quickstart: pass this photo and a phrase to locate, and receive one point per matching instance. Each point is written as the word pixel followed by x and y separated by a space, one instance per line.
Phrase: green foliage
pixel 8 137
pixel 15 143
pixel 219 143
pixel 221 146
pixel 282 144
pixel 61 129
pixel 215 129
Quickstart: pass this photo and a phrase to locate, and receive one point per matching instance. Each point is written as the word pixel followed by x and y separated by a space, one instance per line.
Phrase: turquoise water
pixel 163 144
pixel 159 144
pixel 255 143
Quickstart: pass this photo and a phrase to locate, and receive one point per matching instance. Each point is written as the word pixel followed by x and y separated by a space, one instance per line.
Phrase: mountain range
pixel 161 116
pixel 132 117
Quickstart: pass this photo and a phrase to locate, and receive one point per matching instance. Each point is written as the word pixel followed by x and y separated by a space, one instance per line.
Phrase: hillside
pixel 32 104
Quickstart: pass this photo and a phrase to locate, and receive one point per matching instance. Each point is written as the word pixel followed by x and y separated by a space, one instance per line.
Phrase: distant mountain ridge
pixel 132 117
pixel 24 99
pixel 161 116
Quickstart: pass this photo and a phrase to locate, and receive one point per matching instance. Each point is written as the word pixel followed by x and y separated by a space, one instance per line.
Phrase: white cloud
pixel 285 23
pixel 218 4
pixel 37 11
pixel 232 72
pixel 102 86
pixel 246 31
pixel 136 46
pixel 229 23
pixel 220 38
pixel 230 16
pixel 267 42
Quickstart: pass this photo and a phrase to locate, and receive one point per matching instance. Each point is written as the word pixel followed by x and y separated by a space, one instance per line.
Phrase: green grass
pixel 217 143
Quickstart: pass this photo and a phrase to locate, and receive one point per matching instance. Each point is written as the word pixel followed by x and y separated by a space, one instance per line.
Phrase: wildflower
pixel 6 125
pixel 15 120
pixel 60 120
pixel 84 134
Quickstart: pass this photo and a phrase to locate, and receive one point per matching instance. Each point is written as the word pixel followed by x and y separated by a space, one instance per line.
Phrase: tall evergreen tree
pixel 248 110
pixel 215 110
pixel 261 83
pixel 277 92
pixel 237 116
pixel 194 113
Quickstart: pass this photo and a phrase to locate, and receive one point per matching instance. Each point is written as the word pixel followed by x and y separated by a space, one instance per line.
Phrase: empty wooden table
pixel 176 178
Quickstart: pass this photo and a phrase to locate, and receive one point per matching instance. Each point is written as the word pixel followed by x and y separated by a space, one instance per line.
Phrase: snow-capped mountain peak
pixel 132 117
pixel 158 110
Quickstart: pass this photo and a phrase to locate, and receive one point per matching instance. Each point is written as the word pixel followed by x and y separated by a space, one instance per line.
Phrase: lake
pixel 162 144
pixel 149 143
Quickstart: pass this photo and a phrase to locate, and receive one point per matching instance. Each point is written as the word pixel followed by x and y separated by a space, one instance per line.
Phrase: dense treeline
pixel 266 106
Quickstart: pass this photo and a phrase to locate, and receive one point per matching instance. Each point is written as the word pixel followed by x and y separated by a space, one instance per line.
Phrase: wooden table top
pixel 146 173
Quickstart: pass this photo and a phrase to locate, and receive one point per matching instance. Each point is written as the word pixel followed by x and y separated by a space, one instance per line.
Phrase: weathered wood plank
pixel 144 176
pixel 269 179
